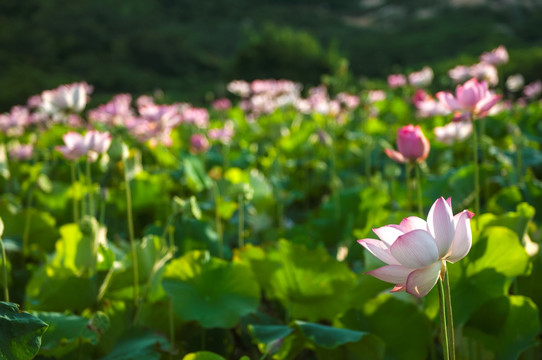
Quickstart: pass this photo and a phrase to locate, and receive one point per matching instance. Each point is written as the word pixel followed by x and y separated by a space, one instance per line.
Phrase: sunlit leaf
pixel 211 291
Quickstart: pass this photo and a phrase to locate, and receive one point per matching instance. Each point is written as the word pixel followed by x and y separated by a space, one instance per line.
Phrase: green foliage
pixel 211 291
pixel 20 333
pixel 67 332
pixel 309 283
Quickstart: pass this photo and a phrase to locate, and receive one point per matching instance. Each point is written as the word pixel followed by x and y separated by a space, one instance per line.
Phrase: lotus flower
pixel 416 251
pixel 473 97
pixel 396 80
pixel 496 56
pixel 199 144
pixel 96 143
pixel 413 146
pixel 74 146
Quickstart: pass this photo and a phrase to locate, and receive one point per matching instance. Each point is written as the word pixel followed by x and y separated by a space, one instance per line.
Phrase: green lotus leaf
pixel 203 355
pixel 214 292
pixel 20 333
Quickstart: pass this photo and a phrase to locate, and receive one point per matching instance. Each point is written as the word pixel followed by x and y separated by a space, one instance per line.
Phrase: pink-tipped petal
pixel 486 103
pixel 399 287
pixel 395 274
pixel 413 223
pixel 72 139
pixel 441 225
pixel 379 249
pixel 421 281
pixel 389 233
pixel 448 100
pixel 415 249
pixel 462 241
pixel 395 155
pixel 449 201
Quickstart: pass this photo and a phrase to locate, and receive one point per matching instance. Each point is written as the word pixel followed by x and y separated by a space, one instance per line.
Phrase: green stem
pixel 449 314
pixel 90 191
pixel 443 319
pixel 26 231
pixel 419 190
pixel 218 222
pixel 408 167
pixel 75 194
pixel 476 172
pixel 5 271
pixel 171 329
pixel 131 235
pixel 241 220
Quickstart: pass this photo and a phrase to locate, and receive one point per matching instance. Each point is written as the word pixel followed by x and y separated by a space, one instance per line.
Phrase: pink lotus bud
pixel 496 56
pixel 74 146
pixel 198 144
pixel 222 104
pixel 413 146
pixel 396 80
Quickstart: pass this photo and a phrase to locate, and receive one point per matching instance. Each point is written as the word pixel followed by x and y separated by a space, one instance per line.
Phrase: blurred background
pixel 188 50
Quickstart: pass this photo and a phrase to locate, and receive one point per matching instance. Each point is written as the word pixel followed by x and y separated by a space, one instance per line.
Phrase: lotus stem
pixel 408 167
pixel 241 204
pixel 476 173
pixel 26 231
pixel 131 236
pixel 4 271
pixel 218 222
pixel 419 190
pixel 446 316
pixel 75 194
pixel 89 191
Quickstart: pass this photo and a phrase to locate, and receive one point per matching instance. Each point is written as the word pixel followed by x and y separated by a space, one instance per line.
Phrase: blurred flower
pixel 21 152
pixel 416 250
pixel 34 102
pixel 485 71
pixel 460 73
pixel 221 104
pixel 198 144
pixel 533 90
pixel 239 87
pixel 497 56
pixel 473 98
pixel 196 116
pixel 413 146
pixel 15 122
pixel 421 78
pixel 376 96
pixel 224 134
pixel 96 143
pixel 514 83
pixel 348 100
pixel 115 112
pixel 396 80
pixel 74 146
pixel 72 97
pixel 427 105
pixel 453 131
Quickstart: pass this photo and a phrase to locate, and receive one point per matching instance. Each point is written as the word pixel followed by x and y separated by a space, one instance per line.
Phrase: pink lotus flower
pixel 416 251
pixel 421 78
pixel 66 97
pixel 427 105
pixel 496 56
pixel 96 143
pixel 222 104
pixel 21 152
pixel 473 97
pixel 453 131
pixel 198 144
pixel 413 146
pixel 533 89
pixel 74 146
pixel 396 80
